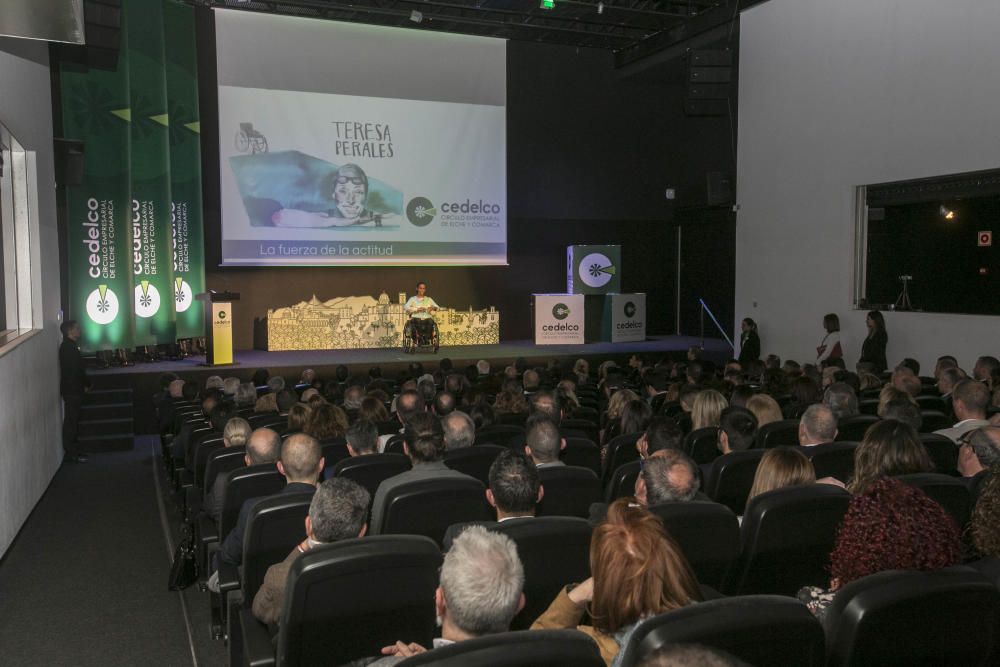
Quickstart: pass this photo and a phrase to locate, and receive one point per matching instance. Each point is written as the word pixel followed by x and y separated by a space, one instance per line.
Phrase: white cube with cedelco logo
pixel 558 319
pixel 627 317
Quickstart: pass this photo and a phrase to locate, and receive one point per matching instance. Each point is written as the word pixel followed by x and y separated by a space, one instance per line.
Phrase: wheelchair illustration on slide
pixel 420 335
pixel 249 140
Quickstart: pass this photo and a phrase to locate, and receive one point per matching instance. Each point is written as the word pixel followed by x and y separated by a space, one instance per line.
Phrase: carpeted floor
pixel 85 583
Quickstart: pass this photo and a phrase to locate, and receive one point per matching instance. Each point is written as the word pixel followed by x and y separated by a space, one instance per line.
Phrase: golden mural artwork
pixel 359 322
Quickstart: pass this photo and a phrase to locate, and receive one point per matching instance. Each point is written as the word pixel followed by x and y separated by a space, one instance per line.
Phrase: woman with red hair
pixel 638 571
pixel 888 526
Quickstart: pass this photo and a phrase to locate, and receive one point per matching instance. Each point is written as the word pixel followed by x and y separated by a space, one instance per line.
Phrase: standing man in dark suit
pixel 73 383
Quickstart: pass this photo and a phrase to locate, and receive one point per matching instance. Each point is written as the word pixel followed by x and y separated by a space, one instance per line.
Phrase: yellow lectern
pixel 218 327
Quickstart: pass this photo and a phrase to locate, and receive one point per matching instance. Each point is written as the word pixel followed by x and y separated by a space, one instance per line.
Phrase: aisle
pixel 85 581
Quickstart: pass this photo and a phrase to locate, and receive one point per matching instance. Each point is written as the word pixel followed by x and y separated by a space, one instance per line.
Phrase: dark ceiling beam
pixel 709 26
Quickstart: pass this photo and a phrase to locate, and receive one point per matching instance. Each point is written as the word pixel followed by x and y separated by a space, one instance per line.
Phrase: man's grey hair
pixel 276 383
pixel 427 388
pixel 544 440
pixel 214 382
pixel 338 510
pixel 353 396
pixel 670 476
pixel 246 395
pixel 459 430
pixel 985 444
pixel 820 423
pixel 363 437
pixel 264 446
pixel 482 579
pixel 230 385
pixel 840 398
pixel 237 432
pixel 483 367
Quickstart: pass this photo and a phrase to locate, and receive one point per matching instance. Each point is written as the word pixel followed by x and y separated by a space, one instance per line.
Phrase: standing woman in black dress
pixel 749 341
pixel 873 349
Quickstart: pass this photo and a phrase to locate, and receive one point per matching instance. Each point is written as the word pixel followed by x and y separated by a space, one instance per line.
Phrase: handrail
pixel 706 309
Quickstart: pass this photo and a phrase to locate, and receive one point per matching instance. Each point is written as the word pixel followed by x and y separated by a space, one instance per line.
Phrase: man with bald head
pixel 262 446
pixel 459 430
pixel 817 426
pixel 667 476
pixel 301 463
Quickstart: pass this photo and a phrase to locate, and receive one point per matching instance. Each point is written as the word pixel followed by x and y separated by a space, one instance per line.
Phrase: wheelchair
pixel 420 335
pixel 249 139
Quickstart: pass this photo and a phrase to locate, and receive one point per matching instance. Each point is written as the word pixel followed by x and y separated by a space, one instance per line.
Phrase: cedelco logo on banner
pixel 102 305
pixel 147 299
pixel 183 296
pixel 629 318
pixel 558 318
pixel 596 270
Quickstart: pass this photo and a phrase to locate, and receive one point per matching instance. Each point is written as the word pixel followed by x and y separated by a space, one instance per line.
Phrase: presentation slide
pixel 350 144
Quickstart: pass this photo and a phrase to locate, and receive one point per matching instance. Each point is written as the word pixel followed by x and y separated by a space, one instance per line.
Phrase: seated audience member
pixel 298 416
pixel 984 526
pixel 236 434
pixel 373 410
pixel 444 404
pixel 581 369
pixel 268 403
pixel 888 526
pixel 301 463
pixel 662 433
pixel 482 415
pixel 214 382
pixel 531 381
pixel 947 380
pixel 892 393
pixel 667 476
pixel 337 512
pixel 611 421
pixel 230 385
pixel 409 403
pixel 260 377
pixel 986 371
pixel 545 402
pixel 707 408
pixel 286 399
pixel 868 381
pixel 690 655
pixel 353 396
pixel 482 580
pixel 362 438
pixel 423 442
pixel 543 441
pixel 804 392
pixel 509 402
pixel 904 410
pixel 817 426
pixel 246 396
pixel 514 491
pixel 459 430
pixel 906 380
pixel 737 428
pixel 840 398
pixel 764 408
pixel 276 384
pixel 326 423
pixel 968 401
pixel 781 467
pixel 636 415
pixel 629 552
pixel 741 394
pixel 979 453
pixel 889 448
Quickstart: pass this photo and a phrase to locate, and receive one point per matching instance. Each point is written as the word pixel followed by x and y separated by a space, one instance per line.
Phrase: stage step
pixel 89 427
pixel 106 420
pixel 98 411
pixel 113 442
pixel 102 396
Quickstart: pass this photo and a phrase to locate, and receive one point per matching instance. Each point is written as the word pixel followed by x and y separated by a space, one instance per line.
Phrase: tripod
pixel 903 301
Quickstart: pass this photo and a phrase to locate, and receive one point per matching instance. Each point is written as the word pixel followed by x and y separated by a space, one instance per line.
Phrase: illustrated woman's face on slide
pixel 350 194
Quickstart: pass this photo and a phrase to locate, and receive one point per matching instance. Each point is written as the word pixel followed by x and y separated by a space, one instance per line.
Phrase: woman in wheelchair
pixel 421 327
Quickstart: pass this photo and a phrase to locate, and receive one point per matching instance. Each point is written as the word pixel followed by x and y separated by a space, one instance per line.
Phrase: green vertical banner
pixel 95 110
pixel 152 246
pixel 185 167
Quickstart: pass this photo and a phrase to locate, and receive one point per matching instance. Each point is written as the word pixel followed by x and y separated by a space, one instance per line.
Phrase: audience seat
pixel 786 540
pixel 943 452
pixel 202 453
pixel 775 434
pixel 427 507
pixel 622 482
pixel 932 402
pixel 512 419
pixel 569 491
pixel 371 470
pixel 334 451
pixel 583 453
pixel 702 444
pixel 394 445
pixel 527 648
pixel 868 406
pixel 504 435
pixel 900 617
pixel 266 419
pixel 555 551
pixel 620 450
pixel 949 492
pixel 934 420
pixel 832 459
pixel 762 630
pixel 347 600
pixel 586 426
pixel 731 476
pixel 389 427
pixel 473 461
pixel 708 534
pixel 852 429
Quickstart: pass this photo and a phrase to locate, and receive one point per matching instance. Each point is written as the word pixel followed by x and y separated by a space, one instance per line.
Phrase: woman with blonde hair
pixel 781 467
pixel 638 571
pixel 613 413
pixel 764 408
pixel 891 393
pixel 706 409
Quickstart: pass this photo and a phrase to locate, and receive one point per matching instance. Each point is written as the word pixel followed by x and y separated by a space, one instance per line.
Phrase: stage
pixel 143 378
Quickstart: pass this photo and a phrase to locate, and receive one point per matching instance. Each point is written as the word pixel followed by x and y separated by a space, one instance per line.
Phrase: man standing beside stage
pixel 73 382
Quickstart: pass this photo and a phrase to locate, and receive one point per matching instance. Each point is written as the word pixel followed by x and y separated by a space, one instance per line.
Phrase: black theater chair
pixel 587 427
pixel 555 551
pixel 702 445
pixel 583 453
pixel 370 470
pixel 569 491
pixel 948 492
pixel 943 452
pixel 504 435
pixel 731 476
pixel 832 459
pixel 334 451
pixel 762 630
pixel 708 534
pixel 528 648
pixel 266 419
pixel 622 482
pixel 775 434
pixel 932 402
pixel 620 450
pixel 852 429
pixel 473 461
pixel 427 507
pixel 394 445
pixel 347 600
pixel 786 539
pixel 220 462
pixel 949 617
pixel 934 420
